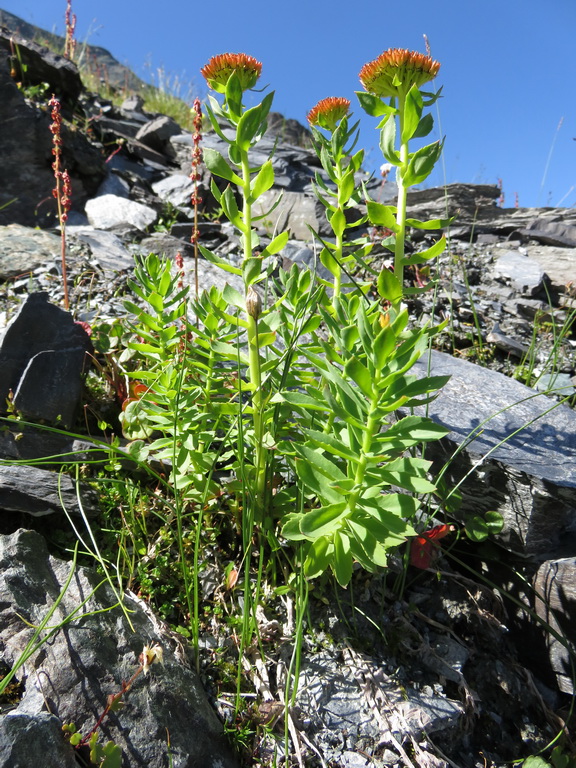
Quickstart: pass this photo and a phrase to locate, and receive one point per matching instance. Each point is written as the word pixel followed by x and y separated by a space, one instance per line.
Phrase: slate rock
pixel 551 232
pixel 289 131
pixel 85 662
pixel 114 184
pixel 106 248
pixel 295 212
pixel 555 603
pixel 23 249
pixel 176 189
pixel 516 449
pixel 42 355
pixel 100 61
pixel 526 274
pixel 41 65
pixel 26 151
pixel 27 740
pixel 156 134
pixel 558 263
pixel 39 492
pixel 109 211
pixel 354 700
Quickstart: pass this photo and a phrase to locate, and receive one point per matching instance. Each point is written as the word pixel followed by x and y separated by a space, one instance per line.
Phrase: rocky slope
pixel 437 675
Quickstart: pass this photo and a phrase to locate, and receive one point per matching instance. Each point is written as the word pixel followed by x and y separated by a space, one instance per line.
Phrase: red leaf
pixel 424 550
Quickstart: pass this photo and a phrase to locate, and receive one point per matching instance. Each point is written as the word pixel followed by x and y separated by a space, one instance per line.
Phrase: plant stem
pixel 399 243
pixel 254 352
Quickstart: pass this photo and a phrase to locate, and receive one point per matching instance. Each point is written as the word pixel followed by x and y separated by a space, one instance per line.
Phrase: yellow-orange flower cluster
pixel 328 112
pixel 395 71
pixel 218 70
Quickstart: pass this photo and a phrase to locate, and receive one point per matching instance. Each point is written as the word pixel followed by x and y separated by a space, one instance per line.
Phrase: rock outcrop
pixel 507 281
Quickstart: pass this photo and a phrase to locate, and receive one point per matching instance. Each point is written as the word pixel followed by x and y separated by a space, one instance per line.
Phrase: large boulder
pixel 93 640
pixel 509 449
pixel 26 151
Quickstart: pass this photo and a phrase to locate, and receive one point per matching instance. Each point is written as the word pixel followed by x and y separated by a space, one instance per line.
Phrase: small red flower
pixel 424 550
pixel 218 70
pixel 328 112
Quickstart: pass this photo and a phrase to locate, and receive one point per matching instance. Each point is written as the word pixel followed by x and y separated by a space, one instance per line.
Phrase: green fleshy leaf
pixel 332 444
pixel 415 429
pixel 393 509
pixel 276 244
pixel 213 258
pixel 217 165
pixel 371 546
pixel 263 181
pixel 383 347
pixel 342 558
pixel 248 127
pixel 329 261
pixel 230 207
pixel 233 92
pixel 479 528
pixel 320 463
pixel 412 113
pixel 422 163
pixel 430 253
pixel 291 527
pixel 229 351
pixel 301 401
pixel 338 222
pixel 389 286
pixel 251 270
pixel 318 558
pixel 373 105
pixel 381 215
pixel 430 224
pixel 358 372
pixel 214 189
pixel 388 142
pixel 233 298
pixel 347 186
pixel 322 521
pixel 424 127
pixel 429 97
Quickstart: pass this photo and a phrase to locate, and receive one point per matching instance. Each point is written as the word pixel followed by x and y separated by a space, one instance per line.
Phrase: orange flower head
pixel 395 71
pixel 218 70
pixel 328 112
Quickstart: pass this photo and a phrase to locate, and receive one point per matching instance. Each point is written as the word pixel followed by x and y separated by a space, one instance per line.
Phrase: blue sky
pixel 508 72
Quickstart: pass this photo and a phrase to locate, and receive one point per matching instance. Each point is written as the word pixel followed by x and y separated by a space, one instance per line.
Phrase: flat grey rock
pixel 517 451
pixel 555 585
pixel 84 663
pixel 23 249
pixel 39 492
pixel 42 354
pixel 108 211
pixel 525 273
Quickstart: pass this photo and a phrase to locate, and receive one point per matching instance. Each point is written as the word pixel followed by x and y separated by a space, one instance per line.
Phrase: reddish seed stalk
pixel 70 41
pixel 63 189
pixel 148 657
pixel 195 176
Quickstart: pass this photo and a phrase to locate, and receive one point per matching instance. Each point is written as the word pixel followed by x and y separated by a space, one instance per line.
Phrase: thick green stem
pixel 372 426
pixel 401 204
pixel 254 353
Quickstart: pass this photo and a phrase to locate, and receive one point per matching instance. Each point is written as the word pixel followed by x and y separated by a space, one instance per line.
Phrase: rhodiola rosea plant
pixel 296 384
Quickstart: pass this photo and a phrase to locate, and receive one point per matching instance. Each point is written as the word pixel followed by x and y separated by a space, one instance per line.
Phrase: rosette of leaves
pixel 356 470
